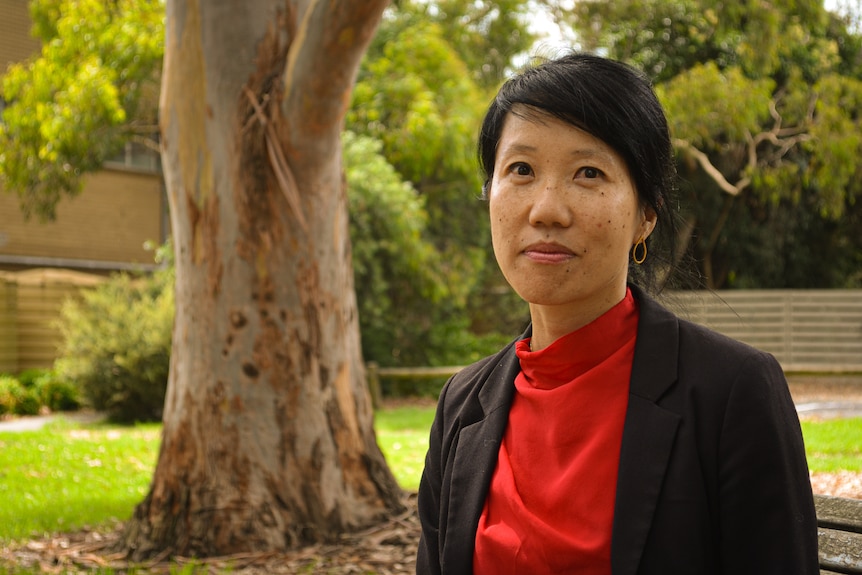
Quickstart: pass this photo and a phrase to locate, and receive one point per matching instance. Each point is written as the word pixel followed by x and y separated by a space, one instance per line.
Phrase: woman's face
pixel 564 214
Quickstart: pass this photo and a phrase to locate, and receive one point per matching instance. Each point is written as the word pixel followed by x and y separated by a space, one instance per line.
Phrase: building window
pixel 137 156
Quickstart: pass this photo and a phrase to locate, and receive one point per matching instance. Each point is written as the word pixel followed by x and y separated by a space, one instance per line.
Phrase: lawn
pixel 69 476
pixel 834 445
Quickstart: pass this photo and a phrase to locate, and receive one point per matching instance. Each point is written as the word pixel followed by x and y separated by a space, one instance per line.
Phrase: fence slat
pixel 806 329
pixel 29 337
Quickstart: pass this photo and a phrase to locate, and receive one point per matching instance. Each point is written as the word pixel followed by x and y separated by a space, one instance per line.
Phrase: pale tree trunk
pixel 268 439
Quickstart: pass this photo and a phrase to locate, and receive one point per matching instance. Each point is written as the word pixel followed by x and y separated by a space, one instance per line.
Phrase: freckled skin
pixel 564 217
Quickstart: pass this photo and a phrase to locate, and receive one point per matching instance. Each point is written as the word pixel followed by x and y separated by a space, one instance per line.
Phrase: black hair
pixel 615 103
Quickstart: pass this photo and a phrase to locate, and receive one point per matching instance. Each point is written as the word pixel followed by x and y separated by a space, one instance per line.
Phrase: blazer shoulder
pixel 710 345
pixel 694 338
pixel 483 384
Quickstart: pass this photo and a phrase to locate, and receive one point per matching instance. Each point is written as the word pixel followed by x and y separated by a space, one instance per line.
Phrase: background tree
pixel 93 88
pixel 266 383
pixel 764 101
pixel 422 92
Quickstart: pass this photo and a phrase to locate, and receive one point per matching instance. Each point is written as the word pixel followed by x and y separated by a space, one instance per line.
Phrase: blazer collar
pixel 648 433
pixel 478 445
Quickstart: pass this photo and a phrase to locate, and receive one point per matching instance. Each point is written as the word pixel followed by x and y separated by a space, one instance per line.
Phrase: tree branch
pixel 330 36
pixel 710 169
pixel 148 143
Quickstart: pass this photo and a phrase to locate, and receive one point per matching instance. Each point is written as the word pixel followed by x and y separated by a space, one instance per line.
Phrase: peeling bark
pixel 268 437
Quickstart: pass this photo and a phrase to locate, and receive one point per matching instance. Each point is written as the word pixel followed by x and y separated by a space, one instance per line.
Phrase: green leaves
pixel 728 109
pixel 397 272
pixel 416 96
pixel 80 100
pixel 117 344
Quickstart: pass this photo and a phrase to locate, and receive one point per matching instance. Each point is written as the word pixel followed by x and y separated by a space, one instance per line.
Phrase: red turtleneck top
pixel 550 505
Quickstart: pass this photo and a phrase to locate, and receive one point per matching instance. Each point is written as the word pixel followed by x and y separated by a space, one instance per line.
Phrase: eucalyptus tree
pixel 267 439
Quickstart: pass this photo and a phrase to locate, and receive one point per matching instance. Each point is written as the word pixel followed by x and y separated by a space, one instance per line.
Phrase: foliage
pixel 765 105
pixel 56 393
pixel 117 344
pixel 10 391
pixel 486 35
pixel 422 93
pixel 93 87
pixel 415 94
pixel 16 398
pixel 397 272
pixel 409 311
pixel 34 389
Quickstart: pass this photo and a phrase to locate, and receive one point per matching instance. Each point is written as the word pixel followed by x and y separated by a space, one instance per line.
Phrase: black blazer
pixel 712 478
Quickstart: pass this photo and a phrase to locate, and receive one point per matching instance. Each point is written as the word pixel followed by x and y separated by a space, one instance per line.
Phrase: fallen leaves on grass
pixel 386 549
pixel 838 484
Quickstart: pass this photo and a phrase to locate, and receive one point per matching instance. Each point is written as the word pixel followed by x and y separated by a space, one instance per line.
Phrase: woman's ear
pixel 649 222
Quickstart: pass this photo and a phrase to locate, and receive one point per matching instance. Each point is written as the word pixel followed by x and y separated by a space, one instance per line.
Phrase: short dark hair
pixel 615 103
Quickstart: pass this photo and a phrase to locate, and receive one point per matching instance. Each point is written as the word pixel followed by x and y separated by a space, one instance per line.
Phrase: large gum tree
pixel 268 439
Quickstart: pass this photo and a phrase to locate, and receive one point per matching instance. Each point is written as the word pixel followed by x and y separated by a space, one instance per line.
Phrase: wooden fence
pixel 816 331
pixel 808 331
pixel 30 303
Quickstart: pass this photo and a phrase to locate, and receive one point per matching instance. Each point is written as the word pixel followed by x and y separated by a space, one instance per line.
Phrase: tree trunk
pixel 268 439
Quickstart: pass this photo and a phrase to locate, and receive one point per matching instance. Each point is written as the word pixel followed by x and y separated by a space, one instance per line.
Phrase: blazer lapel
pixel 648 434
pixel 475 460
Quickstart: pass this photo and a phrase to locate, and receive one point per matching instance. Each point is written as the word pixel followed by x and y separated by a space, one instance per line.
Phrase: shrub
pixel 28 377
pixel 117 342
pixel 17 399
pixel 28 402
pixel 57 394
pixel 10 391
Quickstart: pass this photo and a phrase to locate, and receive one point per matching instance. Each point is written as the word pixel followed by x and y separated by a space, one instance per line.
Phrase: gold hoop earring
pixel 642 258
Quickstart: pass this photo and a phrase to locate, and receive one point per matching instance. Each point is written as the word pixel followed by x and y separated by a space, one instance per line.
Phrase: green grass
pixel 68 476
pixel 834 445
pixel 402 434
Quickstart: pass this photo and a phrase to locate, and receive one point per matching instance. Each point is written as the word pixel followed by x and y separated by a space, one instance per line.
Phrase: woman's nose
pixel 549 207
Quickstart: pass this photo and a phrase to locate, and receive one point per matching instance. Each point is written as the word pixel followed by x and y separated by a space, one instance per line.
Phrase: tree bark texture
pixel 268 439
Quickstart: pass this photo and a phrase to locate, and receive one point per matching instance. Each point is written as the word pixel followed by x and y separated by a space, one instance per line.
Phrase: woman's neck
pixel 553 322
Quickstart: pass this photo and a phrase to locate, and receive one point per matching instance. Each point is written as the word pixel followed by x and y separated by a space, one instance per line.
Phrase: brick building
pixel 104 228
pixel 101 230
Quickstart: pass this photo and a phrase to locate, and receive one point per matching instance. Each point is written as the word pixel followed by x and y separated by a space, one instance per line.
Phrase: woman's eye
pixel 521 169
pixel 590 173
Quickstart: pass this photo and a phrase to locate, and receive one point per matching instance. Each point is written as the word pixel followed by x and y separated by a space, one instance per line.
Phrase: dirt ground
pixel 810 388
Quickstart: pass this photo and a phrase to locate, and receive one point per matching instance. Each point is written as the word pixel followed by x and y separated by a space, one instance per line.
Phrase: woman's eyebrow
pixel 518 148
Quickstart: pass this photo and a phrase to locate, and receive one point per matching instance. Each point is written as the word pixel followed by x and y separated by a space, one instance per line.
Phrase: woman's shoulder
pixel 695 337
pixel 720 350
pixel 491 377
pixel 702 355
pixel 477 372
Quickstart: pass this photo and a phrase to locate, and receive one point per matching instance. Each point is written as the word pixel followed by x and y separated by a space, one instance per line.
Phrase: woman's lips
pixel 550 253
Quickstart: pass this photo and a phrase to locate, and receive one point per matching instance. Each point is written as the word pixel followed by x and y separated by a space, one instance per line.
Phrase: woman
pixel 611 437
